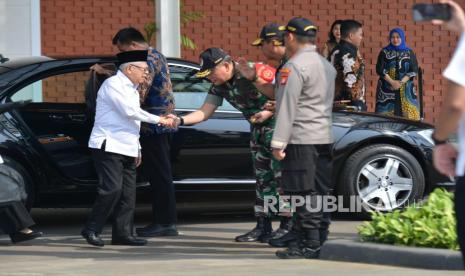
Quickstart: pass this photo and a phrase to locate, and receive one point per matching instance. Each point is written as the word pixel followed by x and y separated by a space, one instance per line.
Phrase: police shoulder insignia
pixel 284 74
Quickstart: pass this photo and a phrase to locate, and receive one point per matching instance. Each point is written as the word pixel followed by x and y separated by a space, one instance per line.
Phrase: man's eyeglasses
pixel 143 69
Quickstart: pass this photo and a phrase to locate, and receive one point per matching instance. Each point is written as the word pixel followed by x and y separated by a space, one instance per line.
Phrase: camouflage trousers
pixel 266 168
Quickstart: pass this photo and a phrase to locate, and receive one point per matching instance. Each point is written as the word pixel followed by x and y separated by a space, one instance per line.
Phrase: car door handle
pixel 55 117
pixel 78 117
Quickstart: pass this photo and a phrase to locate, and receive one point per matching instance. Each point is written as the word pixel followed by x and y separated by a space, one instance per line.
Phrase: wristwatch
pixel 438 142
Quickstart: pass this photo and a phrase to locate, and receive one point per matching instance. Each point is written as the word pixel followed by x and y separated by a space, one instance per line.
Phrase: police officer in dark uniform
pixel 303 134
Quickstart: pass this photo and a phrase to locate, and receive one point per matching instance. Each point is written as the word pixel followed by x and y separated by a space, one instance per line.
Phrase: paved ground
pixel 205 247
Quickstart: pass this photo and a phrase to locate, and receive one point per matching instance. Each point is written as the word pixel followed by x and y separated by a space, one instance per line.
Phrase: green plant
pixel 186 18
pixel 150 29
pixel 431 224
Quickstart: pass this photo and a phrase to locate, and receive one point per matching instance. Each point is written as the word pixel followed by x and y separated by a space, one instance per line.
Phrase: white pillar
pixel 20 28
pixel 36 48
pixel 169 27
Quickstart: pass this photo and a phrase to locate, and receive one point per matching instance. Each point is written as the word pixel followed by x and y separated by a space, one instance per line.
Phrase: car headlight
pixel 427 134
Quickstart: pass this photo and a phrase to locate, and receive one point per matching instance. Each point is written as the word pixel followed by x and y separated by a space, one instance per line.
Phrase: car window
pixel 190 91
pixel 65 88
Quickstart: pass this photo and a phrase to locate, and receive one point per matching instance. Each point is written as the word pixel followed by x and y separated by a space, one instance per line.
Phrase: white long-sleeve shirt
pixel 118 116
pixel 455 72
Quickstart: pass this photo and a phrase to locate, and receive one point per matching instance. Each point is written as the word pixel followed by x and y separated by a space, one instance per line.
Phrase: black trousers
pixel 14 217
pixel 156 166
pixel 307 172
pixel 459 206
pixel 116 193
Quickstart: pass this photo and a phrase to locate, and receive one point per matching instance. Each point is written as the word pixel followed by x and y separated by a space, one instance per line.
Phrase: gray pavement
pixel 205 247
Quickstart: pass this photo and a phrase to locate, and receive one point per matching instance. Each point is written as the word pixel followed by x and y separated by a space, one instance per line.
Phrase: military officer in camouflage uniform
pixel 271 43
pixel 229 84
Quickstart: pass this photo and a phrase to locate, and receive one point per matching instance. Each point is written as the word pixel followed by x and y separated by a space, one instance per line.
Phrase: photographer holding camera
pixel 447 159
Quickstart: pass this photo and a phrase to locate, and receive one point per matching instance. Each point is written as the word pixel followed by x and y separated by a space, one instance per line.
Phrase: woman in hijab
pixel 397 66
pixel 334 37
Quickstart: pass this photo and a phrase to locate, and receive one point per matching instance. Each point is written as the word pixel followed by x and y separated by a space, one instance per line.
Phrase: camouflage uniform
pixel 244 96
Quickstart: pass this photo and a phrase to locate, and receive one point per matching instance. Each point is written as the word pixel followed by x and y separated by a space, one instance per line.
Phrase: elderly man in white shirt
pixel 447 159
pixel 114 142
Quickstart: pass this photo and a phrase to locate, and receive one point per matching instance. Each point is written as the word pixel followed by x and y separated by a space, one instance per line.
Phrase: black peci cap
pixel 132 56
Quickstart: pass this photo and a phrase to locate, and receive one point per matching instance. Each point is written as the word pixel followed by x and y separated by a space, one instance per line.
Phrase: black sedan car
pixel 384 160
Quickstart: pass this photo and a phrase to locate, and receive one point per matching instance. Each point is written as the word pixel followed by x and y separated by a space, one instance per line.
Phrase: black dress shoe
pixel 20 237
pixel 128 241
pixel 157 230
pixel 92 238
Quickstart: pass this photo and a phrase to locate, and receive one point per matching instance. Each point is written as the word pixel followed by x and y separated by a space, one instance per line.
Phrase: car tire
pixel 384 177
pixel 15 167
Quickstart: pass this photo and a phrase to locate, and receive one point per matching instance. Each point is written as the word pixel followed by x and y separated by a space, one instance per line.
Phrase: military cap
pixel 300 26
pixel 209 59
pixel 270 30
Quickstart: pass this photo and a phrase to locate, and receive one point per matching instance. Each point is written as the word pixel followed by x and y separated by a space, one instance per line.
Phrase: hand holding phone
pixel 428 12
pixel 457 21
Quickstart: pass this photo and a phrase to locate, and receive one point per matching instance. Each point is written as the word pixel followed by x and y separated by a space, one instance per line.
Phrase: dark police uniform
pixel 305 93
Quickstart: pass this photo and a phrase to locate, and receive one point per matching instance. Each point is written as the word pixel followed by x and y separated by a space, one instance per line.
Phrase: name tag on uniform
pixel 284 74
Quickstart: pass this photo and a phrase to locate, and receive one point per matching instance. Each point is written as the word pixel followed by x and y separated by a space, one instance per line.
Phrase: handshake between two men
pixel 173 121
pixel 170 121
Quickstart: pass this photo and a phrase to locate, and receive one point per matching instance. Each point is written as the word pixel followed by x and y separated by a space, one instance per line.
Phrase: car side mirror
pixel 3 59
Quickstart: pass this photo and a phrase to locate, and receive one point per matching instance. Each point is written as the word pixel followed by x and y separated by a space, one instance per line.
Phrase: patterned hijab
pixel 403 46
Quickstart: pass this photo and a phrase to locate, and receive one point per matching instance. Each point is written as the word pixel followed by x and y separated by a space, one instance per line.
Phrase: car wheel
pixel 384 177
pixel 23 178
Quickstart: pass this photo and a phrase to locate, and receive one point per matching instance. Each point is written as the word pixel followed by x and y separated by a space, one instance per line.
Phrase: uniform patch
pixel 265 72
pixel 284 75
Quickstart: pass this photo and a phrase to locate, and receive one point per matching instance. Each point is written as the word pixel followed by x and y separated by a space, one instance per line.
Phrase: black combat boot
pixel 306 247
pixel 323 235
pixel 262 229
pixel 285 240
pixel 291 252
pixel 310 248
pixel 284 227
